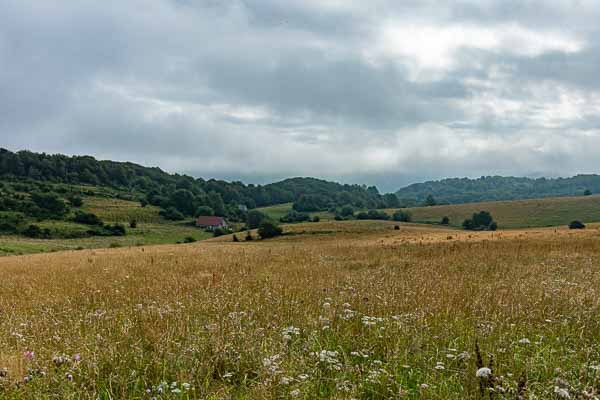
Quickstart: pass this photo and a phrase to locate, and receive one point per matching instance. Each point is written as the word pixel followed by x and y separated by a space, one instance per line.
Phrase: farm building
pixel 207 222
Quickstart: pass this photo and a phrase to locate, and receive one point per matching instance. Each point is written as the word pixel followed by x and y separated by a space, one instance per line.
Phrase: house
pixel 211 223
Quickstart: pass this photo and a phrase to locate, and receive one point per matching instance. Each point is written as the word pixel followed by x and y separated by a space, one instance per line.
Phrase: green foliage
pixel 347 211
pixel 133 224
pixel 11 222
pixel 587 192
pixel 50 204
pixel 269 229
pixel 189 239
pixel 445 220
pixel 172 214
pixel 254 218
pixel 87 218
pixel 204 211
pixel 295 216
pixel 480 221
pixel 402 216
pixel 75 201
pixel 316 218
pixel 576 225
pixel 494 188
pixel 430 201
pixel 373 214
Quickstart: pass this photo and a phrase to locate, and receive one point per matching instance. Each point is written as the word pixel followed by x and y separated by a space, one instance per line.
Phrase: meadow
pixel 512 214
pixel 341 310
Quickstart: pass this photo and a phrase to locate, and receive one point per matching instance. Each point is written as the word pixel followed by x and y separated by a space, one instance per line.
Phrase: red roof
pixel 210 221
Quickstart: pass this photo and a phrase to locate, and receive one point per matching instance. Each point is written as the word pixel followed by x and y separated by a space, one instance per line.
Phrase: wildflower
pixel 186 386
pixel 562 392
pixel 3 373
pixel 286 380
pixel 346 305
pixel 483 373
pixel 424 386
pixel 295 393
pixel 29 355
pixel 464 356
pixel 326 306
pixel 59 360
pixel 524 341
pixel 439 366
pixel 77 357
pixel 303 377
pixel 69 376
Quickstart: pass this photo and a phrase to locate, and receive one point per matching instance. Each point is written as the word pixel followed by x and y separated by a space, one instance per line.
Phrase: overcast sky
pixel 378 92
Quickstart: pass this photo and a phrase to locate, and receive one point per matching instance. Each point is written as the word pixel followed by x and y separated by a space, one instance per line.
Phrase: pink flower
pixel 29 355
pixel 77 357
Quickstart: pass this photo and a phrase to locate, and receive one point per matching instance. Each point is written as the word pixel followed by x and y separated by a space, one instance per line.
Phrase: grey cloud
pixel 266 89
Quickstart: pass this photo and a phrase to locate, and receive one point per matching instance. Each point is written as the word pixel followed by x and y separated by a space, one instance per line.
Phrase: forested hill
pixel 490 188
pixel 182 193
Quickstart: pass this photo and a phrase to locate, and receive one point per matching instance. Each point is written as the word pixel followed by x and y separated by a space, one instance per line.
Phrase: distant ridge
pixel 493 188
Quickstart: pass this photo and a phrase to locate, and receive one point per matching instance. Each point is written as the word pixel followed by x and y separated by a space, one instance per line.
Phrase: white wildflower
pixel 524 341
pixel 483 373
pixel 562 392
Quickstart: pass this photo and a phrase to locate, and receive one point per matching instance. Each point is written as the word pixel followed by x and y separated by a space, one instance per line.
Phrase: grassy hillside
pixel 150 229
pixel 346 310
pixel 518 213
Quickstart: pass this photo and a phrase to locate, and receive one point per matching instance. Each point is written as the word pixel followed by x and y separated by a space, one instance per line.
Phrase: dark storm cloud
pixel 378 91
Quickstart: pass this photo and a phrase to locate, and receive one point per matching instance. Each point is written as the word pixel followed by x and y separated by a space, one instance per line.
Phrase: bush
pixel 75 201
pixel 235 239
pixel 189 239
pixel 347 211
pixel 402 216
pixel 576 225
pixel 133 224
pixel 254 218
pixel 373 214
pixel 115 230
pixel 481 221
pixel 316 218
pixel 294 216
pixel 396 228
pixel 219 232
pixel 269 229
pixel 587 192
pixel 34 231
pixel 87 218
pixel 445 221
pixel 249 236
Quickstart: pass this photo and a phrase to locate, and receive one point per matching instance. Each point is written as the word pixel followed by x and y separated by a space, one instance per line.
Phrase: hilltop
pixel 494 188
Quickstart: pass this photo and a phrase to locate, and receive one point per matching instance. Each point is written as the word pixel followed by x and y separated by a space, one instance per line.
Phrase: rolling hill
pixel 494 188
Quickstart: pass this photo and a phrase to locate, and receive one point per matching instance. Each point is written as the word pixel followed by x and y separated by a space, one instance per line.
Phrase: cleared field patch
pixel 519 213
pixel 123 211
pixel 353 313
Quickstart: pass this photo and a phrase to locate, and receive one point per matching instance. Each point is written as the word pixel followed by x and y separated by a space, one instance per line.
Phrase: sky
pixel 380 92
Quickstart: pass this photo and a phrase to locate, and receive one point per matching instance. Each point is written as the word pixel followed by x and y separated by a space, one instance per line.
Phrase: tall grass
pixel 365 315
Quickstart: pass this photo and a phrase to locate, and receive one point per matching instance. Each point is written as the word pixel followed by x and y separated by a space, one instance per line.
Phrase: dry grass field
pixel 351 310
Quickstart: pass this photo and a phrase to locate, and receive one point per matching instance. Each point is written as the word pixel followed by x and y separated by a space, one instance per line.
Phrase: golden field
pixel 341 310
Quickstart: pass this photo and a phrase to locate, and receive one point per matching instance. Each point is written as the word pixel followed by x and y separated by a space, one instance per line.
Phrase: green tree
pixel 269 229
pixel 430 201
pixel 204 211
pixel 183 200
pixel 254 218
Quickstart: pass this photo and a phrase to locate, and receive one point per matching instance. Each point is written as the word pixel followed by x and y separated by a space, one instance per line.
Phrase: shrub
pixel 254 218
pixel 269 229
pixel 480 221
pixel 219 232
pixel 133 224
pixel 294 216
pixel 402 216
pixel 396 228
pixel 347 211
pixel 75 201
pixel 373 214
pixel 115 230
pixel 235 239
pixel 87 218
pixel 576 225
pixel 189 239
pixel 587 192
pixel 445 221
pixel 249 236
pixel 316 218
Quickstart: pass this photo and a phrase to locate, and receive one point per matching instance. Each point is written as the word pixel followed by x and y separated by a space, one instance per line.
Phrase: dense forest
pixel 490 188
pixel 177 195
